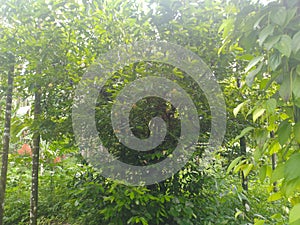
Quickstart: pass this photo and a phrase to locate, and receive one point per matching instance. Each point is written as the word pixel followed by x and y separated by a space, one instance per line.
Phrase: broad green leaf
pixel 285 90
pixel 266 32
pixel 246 169
pixel 297 102
pixel 278 16
pixel 257 154
pixel 275 147
pixel 271 105
pixel 291 186
pixel 253 63
pixel 285 45
pixel 256 24
pixel 271 41
pixel 275 61
pixel 259 222
pixel 278 173
pixel 233 164
pixel 262 173
pixel 250 77
pixel 296 87
pixel 274 197
pixel 240 166
pixel 290 14
pixel 294 217
pixel 238 108
pixel 257 113
pixel 263 83
pixel 243 133
pixel 298 69
pixel 284 132
pixel 296 42
pixel 269 171
pixel 247 57
pixel 297 132
pixel 291 170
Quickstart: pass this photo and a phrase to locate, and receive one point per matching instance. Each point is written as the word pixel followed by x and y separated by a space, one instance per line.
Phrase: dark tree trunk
pixel 35 160
pixel 274 162
pixel 6 140
pixel 243 152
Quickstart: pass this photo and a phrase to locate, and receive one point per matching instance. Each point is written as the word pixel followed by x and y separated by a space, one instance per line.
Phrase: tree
pixel 270 34
pixel 6 134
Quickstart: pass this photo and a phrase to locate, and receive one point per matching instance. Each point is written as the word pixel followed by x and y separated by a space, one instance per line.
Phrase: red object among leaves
pixel 57 159
pixel 25 150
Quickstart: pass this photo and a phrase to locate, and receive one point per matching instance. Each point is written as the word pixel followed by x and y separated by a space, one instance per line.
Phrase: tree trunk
pixel 6 140
pixel 35 160
pixel 243 152
pixel 274 162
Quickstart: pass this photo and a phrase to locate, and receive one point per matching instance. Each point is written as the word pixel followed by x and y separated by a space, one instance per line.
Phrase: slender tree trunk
pixel 35 160
pixel 274 163
pixel 243 152
pixel 6 140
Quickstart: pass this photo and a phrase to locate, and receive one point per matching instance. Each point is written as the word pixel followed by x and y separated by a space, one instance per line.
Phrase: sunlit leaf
pixel 237 109
pixel 294 218
pixel 257 113
pixel 274 197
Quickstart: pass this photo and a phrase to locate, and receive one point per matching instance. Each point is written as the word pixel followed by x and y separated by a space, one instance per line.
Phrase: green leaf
pixel 298 69
pixel 284 132
pixel 274 197
pixel 256 24
pixel 243 133
pixel 285 90
pixel 131 195
pixel 250 77
pixel 253 63
pixel 247 57
pixel 291 170
pixel 226 27
pixel 291 186
pixel 297 132
pixel 246 169
pixel 278 16
pixel 238 108
pixel 296 42
pixel 238 213
pixel 275 147
pixel 257 113
pixel 278 173
pixel 271 41
pixel 266 32
pixel 271 105
pixel 233 164
pixel 296 87
pixel 262 173
pixel 275 61
pixel 285 45
pixel 294 217
pixel 259 222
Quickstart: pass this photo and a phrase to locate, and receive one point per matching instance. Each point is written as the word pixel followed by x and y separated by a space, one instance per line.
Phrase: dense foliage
pixel 253 50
